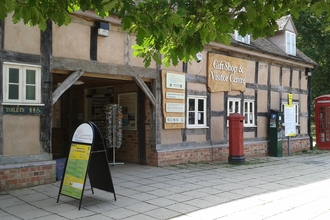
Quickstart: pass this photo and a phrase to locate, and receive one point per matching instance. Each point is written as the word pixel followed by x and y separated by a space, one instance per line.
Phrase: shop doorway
pixel 85 102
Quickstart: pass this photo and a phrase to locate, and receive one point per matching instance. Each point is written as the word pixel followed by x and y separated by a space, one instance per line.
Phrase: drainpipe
pixel 308 74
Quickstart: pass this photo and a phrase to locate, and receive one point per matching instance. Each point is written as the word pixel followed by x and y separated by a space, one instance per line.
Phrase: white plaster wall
pixel 217 133
pixel 285 77
pixel 21 38
pixel 303 126
pixel 295 79
pixel 263 127
pixel 111 49
pixel 198 68
pixel 72 41
pixel 248 135
pixel 196 138
pixel 250 71
pixel 262 100
pixel 275 75
pixel 217 101
pixel 263 73
pixel 171 136
pixel 275 101
pixel 249 92
pixel 21 135
pixel 304 81
pixel 196 86
pixel 303 103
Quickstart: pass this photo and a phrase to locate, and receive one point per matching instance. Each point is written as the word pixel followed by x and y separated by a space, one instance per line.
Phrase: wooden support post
pixel 68 82
pixel 146 90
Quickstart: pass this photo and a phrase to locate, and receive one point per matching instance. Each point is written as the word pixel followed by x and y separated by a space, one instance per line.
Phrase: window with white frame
pixel 249 112
pixel 296 112
pixel 234 106
pixel 240 38
pixel 21 83
pixel 290 39
pixel 196 111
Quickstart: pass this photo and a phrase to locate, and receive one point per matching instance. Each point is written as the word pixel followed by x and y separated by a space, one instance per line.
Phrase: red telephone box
pixel 322 122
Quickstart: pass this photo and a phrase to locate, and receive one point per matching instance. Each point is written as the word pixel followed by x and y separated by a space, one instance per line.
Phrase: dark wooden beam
pixel 67 83
pixel 93 43
pixel 46 87
pixel 2 33
pixel 89 66
pixel 256 81
pixel 145 89
pixel 11 56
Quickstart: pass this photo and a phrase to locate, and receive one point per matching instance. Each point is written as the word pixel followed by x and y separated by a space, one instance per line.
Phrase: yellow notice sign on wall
pixel 76 168
pixel 226 73
pixel 290 99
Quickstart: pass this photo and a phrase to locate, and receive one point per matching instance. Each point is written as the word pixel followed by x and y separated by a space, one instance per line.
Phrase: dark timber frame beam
pixel 67 83
pixel 145 89
pixel 90 66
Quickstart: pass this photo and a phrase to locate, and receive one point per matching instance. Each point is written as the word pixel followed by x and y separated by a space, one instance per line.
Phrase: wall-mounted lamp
pixel 103 29
pixel 199 56
pixel 308 72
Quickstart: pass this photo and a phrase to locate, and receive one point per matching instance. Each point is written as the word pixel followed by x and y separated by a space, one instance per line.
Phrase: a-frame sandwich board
pixel 87 156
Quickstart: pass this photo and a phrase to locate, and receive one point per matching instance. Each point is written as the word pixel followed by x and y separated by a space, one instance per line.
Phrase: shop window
pixel 240 38
pixel 196 113
pixel 249 113
pixel 290 39
pixel 296 112
pixel 234 106
pixel 21 83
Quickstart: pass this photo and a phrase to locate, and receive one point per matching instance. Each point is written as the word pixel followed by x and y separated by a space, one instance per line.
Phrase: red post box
pixel 236 139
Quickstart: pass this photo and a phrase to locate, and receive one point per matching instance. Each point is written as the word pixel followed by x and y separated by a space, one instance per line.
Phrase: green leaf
pixel 175 28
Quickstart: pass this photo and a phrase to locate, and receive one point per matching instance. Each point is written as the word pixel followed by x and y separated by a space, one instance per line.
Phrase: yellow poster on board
pixel 76 168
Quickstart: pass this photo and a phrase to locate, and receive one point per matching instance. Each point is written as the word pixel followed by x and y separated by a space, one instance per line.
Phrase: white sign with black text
pixel 289 120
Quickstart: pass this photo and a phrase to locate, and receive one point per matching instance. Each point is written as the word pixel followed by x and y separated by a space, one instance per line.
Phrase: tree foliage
pixel 313 40
pixel 177 29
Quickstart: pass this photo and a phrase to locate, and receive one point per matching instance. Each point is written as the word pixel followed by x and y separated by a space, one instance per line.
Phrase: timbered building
pixel 53 80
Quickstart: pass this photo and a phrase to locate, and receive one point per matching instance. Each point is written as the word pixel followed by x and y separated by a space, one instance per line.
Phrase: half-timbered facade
pixel 53 80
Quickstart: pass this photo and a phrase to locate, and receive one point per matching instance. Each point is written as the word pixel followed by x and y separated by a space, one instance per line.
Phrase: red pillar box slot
pixel 236 139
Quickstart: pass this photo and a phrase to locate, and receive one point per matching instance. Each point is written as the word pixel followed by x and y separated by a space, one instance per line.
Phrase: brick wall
pixel 128 151
pixel 18 176
pixel 217 154
pixel 296 145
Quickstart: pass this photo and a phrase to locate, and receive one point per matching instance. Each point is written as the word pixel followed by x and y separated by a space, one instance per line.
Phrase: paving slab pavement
pixel 295 187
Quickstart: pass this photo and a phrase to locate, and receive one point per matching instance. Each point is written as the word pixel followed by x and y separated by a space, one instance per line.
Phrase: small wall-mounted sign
pixel 23 110
pixel 174 107
pixel 175 81
pixel 175 95
pixel 174 119
pixel 173 99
